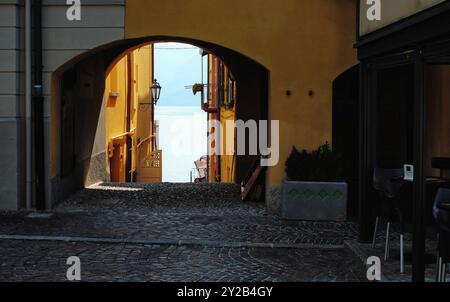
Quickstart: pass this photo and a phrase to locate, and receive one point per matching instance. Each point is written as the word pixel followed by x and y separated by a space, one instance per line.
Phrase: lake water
pixel 182 138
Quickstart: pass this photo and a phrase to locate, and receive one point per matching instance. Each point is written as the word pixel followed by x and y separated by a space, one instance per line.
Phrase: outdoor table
pixel 444 206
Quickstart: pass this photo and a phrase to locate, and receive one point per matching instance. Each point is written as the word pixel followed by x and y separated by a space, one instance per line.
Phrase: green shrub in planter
pixel 319 165
pixel 314 188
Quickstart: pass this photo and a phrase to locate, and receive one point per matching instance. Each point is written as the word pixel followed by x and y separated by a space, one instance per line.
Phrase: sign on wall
pixel 376 14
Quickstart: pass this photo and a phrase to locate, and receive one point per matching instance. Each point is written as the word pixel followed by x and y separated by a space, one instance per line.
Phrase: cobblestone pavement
pixel 229 239
pixel 173 211
pixel 46 261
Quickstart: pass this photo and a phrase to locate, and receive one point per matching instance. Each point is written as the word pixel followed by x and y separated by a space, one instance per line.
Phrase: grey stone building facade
pixel 103 21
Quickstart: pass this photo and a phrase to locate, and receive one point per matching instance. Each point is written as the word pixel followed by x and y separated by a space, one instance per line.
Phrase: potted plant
pixel 314 188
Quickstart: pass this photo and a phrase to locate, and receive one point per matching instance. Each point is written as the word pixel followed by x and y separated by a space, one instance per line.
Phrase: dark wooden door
pixel 118 164
pixel 346 130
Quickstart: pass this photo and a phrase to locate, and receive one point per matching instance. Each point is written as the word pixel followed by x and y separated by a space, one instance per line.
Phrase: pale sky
pixel 176 66
pixel 183 126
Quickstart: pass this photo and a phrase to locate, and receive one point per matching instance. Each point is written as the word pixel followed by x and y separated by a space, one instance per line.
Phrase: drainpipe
pixel 38 105
pixel 28 133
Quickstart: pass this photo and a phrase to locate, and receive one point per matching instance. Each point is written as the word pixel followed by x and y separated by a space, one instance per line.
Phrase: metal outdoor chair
pixel 388 183
pixel 201 166
pixel 441 213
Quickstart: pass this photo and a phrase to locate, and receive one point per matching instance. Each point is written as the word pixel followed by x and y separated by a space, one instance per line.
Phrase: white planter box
pixel 314 201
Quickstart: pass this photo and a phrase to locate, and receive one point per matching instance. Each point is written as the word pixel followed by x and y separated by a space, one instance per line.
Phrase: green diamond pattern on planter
pixel 323 194
pixel 294 194
pixel 317 201
pixel 338 195
pixel 308 194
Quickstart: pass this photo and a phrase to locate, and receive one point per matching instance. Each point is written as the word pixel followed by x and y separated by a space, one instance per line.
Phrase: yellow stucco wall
pixel 116 83
pixel 227 162
pixel 116 93
pixel 141 98
pixel 228 140
pixel 305 44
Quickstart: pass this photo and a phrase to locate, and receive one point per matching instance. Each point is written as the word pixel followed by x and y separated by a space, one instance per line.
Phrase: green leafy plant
pixel 321 165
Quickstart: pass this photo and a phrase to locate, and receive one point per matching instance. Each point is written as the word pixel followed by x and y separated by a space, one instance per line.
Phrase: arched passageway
pixel 78 88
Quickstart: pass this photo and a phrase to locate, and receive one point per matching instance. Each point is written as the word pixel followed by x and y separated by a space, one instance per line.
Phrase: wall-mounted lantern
pixel 156 91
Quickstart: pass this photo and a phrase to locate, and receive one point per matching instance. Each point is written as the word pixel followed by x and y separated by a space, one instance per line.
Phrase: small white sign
pixel 409 173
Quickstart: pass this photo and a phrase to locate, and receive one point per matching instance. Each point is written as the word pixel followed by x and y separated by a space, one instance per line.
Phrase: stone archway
pixel 78 86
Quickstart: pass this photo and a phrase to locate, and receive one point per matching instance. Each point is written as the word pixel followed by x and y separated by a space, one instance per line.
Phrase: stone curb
pixel 205 243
